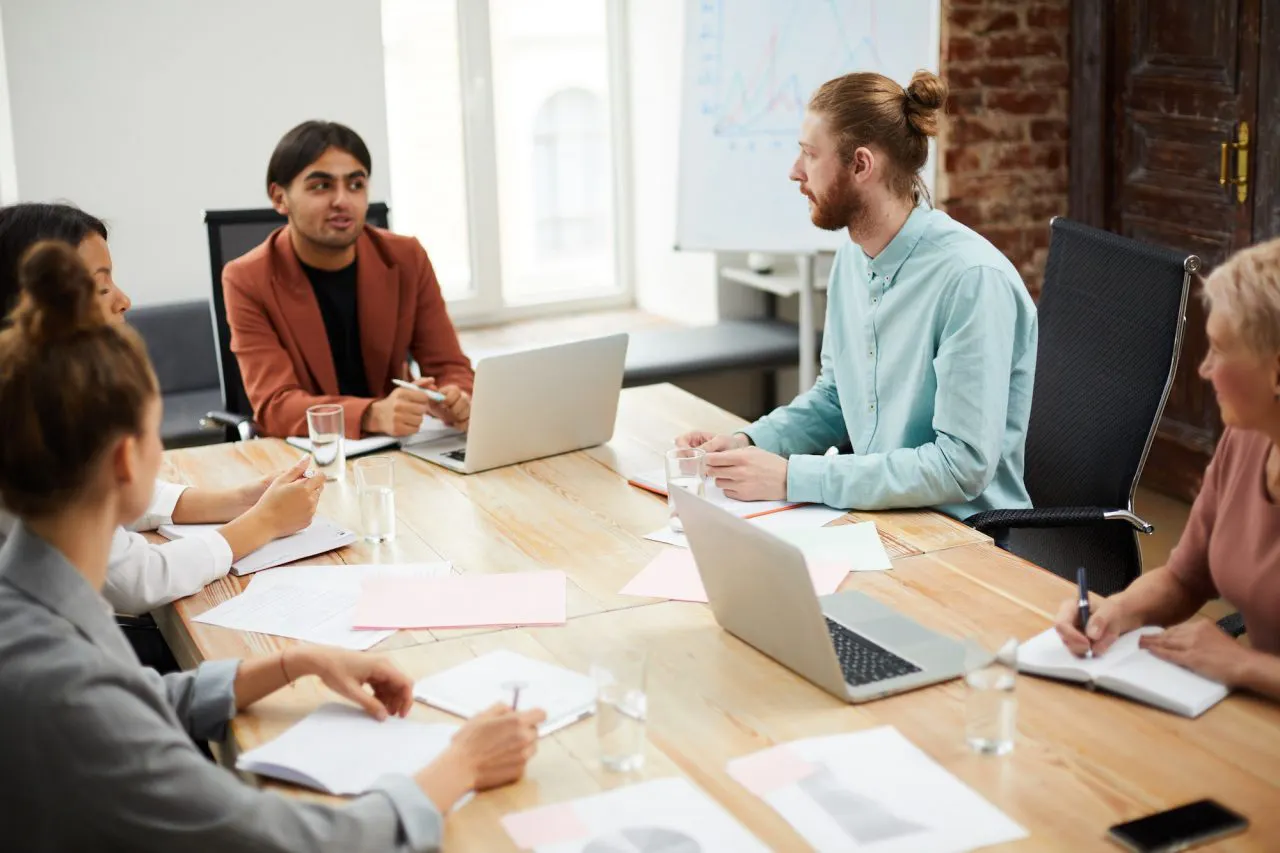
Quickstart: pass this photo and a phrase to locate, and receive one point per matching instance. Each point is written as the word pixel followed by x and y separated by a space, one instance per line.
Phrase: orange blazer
pixel 279 338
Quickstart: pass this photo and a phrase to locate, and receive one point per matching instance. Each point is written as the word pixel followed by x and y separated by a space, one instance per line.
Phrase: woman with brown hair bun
pixel 97 751
pixel 143 576
pixel 929 347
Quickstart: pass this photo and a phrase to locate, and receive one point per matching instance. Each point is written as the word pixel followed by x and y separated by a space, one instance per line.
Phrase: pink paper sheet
pixel 764 772
pixel 463 601
pixel 547 825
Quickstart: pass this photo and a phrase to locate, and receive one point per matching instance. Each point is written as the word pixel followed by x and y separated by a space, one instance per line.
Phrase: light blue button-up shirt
pixel 928 360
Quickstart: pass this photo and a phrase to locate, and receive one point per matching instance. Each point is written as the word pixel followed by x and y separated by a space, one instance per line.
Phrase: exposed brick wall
pixel 1003 152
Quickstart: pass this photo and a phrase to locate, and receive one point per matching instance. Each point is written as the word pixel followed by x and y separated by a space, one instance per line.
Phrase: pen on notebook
pixel 431 395
pixel 515 688
pixel 1083 603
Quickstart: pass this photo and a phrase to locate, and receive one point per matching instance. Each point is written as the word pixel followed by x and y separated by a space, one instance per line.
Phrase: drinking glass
pixel 621 707
pixel 991 706
pixel 686 469
pixel 375 488
pixel 326 425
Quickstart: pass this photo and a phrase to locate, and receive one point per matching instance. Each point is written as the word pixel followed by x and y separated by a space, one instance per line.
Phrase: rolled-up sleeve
pixel 972 364
pixel 164 499
pixel 142 576
pixel 204 698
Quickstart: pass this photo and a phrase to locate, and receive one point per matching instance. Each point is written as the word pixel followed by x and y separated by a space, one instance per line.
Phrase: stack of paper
pixel 663 816
pixel 319 537
pixel 872 791
pixel 312 603
pixel 673 574
pixel 472 687
pixel 340 749
pixel 856 546
pixel 464 601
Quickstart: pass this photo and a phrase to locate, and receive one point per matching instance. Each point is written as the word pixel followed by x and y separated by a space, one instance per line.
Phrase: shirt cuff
pixel 763 435
pixel 220 551
pixel 419 818
pixel 804 479
pixel 213 699
pixel 164 500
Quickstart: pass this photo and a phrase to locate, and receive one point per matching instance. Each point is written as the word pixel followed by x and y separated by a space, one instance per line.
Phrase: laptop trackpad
pixel 895 632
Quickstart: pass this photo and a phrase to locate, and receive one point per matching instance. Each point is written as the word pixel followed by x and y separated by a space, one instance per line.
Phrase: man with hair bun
pixel 929 349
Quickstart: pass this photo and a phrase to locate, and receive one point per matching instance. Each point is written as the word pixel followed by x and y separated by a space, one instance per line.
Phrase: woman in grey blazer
pixel 97 751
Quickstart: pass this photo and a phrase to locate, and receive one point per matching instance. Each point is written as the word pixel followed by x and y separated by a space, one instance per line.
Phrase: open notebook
pixel 1126 670
pixel 432 429
pixel 656 482
pixel 340 749
pixel 319 537
pixel 472 687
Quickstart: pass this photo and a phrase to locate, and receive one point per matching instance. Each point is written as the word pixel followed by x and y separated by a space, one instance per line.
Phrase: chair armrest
pixel 1058 516
pixel 244 426
pixel 1232 623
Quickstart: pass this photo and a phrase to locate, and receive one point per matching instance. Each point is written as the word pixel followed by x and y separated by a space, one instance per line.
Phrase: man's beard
pixel 841 207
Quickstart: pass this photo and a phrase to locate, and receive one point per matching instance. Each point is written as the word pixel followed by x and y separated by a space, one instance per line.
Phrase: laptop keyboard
pixel 456 455
pixel 862 661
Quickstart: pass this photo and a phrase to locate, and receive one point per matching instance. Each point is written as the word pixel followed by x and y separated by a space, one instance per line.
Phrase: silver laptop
pixel 536 403
pixel 849 644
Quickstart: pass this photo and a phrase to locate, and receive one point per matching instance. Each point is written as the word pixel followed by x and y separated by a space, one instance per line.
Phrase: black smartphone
pixel 1178 828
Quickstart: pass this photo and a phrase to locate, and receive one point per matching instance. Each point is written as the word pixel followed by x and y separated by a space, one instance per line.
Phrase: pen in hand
pixel 431 395
pixel 1083 604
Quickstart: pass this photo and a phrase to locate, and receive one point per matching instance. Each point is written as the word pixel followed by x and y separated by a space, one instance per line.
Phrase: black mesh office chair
pixel 1111 318
pixel 232 233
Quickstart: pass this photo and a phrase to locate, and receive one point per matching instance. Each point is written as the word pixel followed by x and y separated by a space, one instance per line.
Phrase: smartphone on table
pixel 1178 828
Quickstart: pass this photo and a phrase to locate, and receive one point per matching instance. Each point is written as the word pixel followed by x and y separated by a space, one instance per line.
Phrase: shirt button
pixel 871 408
pixel 871 353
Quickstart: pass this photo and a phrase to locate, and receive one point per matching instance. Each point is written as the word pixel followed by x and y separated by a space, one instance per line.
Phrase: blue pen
pixel 431 395
pixel 1083 604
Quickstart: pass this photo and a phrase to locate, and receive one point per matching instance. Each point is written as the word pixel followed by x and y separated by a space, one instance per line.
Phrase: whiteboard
pixel 750 67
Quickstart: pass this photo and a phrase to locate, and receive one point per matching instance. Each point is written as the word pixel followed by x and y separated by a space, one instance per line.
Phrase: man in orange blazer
pixel 327 309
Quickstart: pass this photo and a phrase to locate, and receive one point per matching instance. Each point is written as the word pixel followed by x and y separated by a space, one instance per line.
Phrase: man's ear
pixel 278 199
pixel 863 165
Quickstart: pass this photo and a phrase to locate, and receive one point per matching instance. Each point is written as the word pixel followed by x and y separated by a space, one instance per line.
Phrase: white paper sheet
pixel 342 750
pixel 657 481
pixel 872 791
pixel 800 518
pixel 856 545
pixel 469 688
pixel 312 603
pixel 662 816
pixel 319 537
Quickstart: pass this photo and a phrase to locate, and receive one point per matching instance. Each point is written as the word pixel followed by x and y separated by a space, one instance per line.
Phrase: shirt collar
pixel 886 264
pixel 37 569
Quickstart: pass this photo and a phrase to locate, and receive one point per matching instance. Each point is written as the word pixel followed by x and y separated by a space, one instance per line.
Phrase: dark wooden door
pixel 1167 82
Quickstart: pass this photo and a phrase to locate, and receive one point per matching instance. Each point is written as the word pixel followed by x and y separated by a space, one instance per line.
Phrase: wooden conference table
pixel 1082 762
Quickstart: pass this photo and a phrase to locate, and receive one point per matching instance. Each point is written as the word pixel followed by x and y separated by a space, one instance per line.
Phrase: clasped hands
pixel 740 469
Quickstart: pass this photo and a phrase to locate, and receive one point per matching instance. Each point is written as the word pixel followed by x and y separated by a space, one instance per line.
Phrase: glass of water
pixel 686 469
pixel 326 424
pixel 375 487
pixel 622 707
pixel 991 706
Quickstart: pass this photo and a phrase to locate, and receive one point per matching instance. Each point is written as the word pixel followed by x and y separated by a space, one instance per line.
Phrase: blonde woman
pixel 1231 545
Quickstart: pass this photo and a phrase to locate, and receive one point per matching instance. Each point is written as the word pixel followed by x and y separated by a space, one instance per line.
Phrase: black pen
pixel 1083 604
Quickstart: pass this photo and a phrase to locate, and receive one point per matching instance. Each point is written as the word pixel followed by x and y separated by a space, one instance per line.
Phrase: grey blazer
pixel 96 751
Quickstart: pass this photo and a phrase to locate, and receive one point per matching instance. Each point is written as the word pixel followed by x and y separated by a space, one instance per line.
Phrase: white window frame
pixel 484 304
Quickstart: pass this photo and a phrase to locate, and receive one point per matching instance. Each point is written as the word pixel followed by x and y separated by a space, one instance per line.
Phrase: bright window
pixel 507 148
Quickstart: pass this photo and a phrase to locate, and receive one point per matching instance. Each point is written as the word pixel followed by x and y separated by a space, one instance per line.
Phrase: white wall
pixel 680 285
pixel 147 112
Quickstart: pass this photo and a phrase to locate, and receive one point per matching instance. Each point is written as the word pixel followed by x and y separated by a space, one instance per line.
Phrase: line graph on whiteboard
pixel 756 74
pixel 749 69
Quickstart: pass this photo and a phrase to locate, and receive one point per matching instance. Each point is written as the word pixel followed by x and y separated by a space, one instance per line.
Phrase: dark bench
pixel 179 339
pixel 660 355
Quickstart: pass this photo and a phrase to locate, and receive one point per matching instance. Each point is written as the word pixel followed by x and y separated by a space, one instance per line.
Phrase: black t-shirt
pixel 336 294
